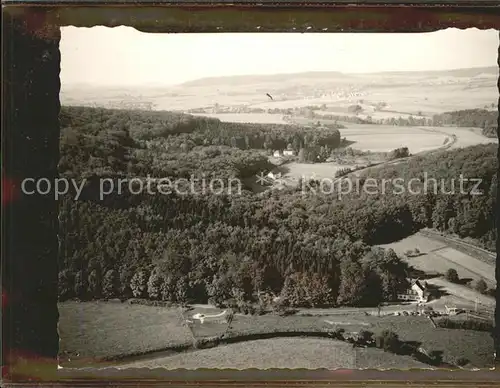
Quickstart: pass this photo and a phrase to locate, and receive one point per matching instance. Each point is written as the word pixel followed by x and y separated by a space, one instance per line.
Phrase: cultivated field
pixel 306 353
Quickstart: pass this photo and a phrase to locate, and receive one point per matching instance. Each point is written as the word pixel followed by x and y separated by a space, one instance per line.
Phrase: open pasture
pixel 305 353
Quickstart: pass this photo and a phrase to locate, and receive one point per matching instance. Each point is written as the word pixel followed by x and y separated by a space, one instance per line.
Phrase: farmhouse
pixel 289 153
pixel 277 154
pixel 417 292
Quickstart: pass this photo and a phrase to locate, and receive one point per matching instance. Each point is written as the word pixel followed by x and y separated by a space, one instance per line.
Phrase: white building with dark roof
pixel 416 292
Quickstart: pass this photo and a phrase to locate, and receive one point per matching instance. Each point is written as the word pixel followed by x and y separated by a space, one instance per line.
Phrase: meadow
pixel 105 329
pixel 93 331
pixel 304 353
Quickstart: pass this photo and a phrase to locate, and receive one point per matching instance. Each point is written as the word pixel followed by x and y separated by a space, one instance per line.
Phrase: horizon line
pixel 151 84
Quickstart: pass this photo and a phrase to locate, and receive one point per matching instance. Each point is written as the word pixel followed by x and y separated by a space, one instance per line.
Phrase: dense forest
pixel 487 120
pixel 310 248
pixel 156 128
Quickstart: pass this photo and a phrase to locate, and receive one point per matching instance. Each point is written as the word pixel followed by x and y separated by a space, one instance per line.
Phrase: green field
pixel 98 330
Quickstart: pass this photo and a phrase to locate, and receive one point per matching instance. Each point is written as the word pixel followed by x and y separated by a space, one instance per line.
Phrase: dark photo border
pixel 30 148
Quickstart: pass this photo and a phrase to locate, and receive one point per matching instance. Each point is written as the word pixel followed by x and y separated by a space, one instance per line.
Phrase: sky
pixel 103 56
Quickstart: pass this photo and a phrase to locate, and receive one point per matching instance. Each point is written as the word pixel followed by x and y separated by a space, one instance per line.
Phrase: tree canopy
pixel 312 249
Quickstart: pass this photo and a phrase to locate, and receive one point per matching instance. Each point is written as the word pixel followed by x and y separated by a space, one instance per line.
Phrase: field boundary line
pixel 460 265
pixel 481 254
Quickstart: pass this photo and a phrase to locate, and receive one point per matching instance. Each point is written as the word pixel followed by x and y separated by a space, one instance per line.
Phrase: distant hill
pixel 297 88
pixel 468 72
pixel 276 78
pixel 253 79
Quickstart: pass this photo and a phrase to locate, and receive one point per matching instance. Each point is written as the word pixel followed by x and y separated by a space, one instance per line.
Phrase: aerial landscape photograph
pixel 258 200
